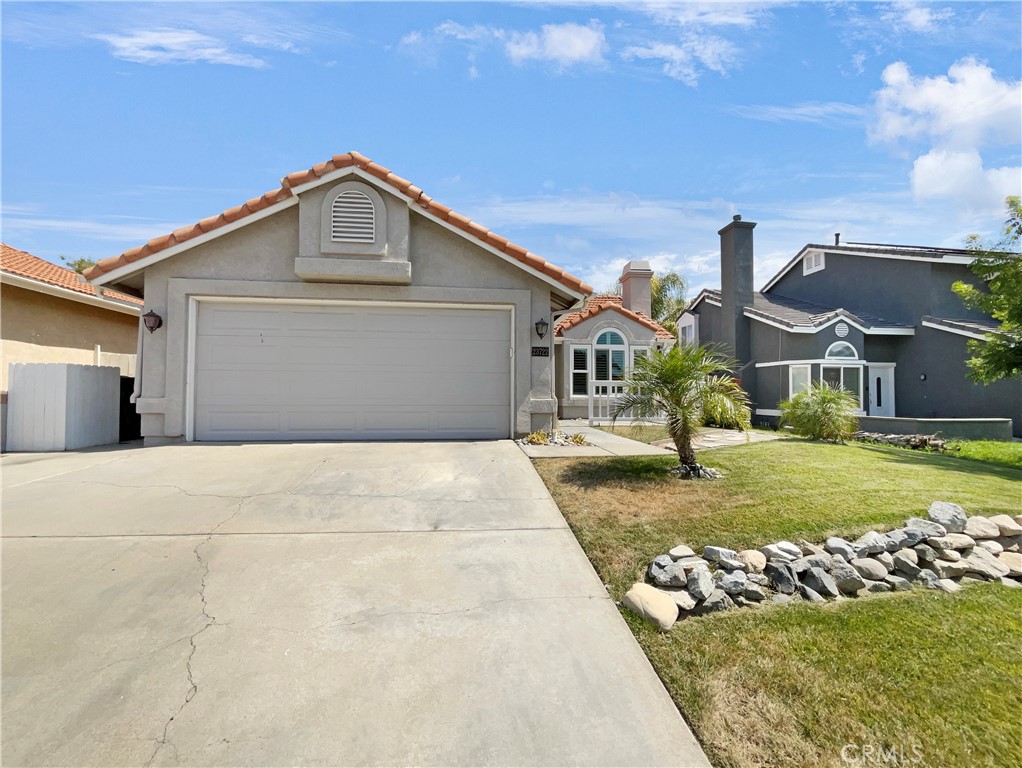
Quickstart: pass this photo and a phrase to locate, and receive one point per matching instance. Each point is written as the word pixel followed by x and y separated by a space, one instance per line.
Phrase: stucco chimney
pixel 736 285
pixel 636 290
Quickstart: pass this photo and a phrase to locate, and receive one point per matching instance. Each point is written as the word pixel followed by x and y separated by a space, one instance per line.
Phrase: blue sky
pixel 590 133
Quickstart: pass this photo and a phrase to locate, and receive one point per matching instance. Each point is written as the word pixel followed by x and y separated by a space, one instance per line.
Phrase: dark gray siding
pixel 894 289
pixel 709 323
pixel 947 391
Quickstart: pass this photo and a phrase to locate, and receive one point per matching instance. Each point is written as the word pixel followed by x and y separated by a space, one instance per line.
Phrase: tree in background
pixel 668 299
pixel 999 266
pixel 78 265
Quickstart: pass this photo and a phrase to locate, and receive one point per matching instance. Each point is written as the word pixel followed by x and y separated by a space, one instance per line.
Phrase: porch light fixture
pixel 152 321
pixel 541 327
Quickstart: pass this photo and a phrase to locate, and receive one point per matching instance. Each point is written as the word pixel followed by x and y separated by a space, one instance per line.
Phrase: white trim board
pixel 824 361
pixel 18 281
pixel 957 331
pixel 873 331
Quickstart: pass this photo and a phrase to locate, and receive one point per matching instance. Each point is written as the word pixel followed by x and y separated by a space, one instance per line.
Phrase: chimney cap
pixel 736 217
pixel 837 238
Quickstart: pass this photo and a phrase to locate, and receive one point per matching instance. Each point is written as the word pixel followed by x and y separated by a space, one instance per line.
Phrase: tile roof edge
pixel 310 175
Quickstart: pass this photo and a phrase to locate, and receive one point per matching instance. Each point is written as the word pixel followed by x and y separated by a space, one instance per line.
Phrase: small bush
pixel 579 439
pixel 821 412
pixel 537 438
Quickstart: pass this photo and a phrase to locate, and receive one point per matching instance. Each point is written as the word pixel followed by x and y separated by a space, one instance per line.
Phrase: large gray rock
pixel 733 583
pixel 877 586
pixel 982 562
pixel 782 576
pixel 886 560
pixel 717 601
pixel 652 604
pixel 789 548
pixel 657 566
pixel 754 560
pixel 808 548
pixel 820 581
pixel 682 598
pixel 803 564
pixel 945 585
pixel 981 528
pixel 869 568
pixel 906 562
pixel 810 594
pixel 713 554
pixel 897 539
pixel 953 541
pixel 781 598
pixel 838 546
pixel 1006 525
pixel 700 583
pixel 772 552
pixel 872 541
pixel 671 575
pixel 929 527
pixel 951 516
pixel 1012 561
pixel 898 583
pixel 847 578
pixel 730 564
pixel 681 551
pixel 927 578
pixel 1010 543
pixel 757 578
pixel 925 552
pixel 947 570
pixel 950 555
pixel 990 546
pixel 914 536
pixel 753 592
pixel 1010 582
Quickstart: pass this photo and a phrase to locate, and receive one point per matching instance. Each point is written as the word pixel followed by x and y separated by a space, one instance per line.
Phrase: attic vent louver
pixel 812 262
pixel 352 218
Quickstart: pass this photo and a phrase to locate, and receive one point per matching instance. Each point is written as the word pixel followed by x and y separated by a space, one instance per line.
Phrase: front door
pixel 881 390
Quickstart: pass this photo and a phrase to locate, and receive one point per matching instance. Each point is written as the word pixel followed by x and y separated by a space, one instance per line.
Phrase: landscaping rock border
pixel 936 552
pixel 916 442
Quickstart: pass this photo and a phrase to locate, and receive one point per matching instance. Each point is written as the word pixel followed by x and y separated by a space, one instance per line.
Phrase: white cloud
pixel 176 46
pixel 955 175
pixel 829 112
pixel 743 15
pixel 968 107
pixel 953 117
pixel 685 61
pixel 475 33
pixel 914 17
pixel 563 44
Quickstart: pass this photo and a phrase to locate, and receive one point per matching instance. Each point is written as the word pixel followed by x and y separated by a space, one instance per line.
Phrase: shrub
pixel 537 438
pixel 821 412
pixel 579 439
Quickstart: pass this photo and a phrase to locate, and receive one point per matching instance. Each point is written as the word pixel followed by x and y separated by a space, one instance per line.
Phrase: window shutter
pixel 352 218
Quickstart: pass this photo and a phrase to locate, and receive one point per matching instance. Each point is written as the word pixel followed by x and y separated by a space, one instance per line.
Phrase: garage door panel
pixel 293 372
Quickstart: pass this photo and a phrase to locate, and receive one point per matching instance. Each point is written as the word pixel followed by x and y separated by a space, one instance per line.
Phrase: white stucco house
pixel 597 345
pixel 346 304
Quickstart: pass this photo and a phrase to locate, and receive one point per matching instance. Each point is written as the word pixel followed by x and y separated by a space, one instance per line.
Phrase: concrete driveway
pixel 312 604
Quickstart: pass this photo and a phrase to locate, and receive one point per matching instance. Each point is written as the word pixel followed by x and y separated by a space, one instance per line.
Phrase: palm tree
pixel 667 298
pixel 691 386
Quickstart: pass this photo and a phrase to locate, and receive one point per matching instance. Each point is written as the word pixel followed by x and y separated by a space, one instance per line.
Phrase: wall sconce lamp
pixel 922 377
pixel 152 321
pixel 541 327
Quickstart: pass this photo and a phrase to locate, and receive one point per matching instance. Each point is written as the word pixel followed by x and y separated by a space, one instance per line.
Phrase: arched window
pixel 352 218
pixel 841 350
pixel 609 339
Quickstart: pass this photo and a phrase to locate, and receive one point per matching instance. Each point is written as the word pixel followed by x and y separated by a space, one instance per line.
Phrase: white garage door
pixel 269 371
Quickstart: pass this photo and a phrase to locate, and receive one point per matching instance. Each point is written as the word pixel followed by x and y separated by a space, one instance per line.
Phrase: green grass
pixel 991 451
pixel 791 685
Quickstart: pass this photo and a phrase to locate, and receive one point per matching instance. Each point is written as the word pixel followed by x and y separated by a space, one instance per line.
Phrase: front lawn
pixel 992 451
pixel 791 685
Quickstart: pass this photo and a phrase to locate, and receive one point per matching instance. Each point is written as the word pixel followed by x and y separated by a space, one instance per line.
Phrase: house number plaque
pixel 541 351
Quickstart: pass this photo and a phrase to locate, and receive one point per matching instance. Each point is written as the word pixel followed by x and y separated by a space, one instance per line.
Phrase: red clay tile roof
pixel 598 304
pixel 347 160
pixel 26 265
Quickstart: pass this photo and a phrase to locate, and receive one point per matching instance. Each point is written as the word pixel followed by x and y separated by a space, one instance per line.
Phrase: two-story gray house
pixel 879 320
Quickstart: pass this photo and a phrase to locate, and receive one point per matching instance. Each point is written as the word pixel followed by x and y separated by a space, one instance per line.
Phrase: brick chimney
pixel 636 290
pixel 736 285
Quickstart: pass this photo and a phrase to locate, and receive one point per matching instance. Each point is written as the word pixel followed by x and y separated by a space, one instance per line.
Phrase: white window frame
pixel 623 347
pixel 830 356
pixel 841 376
pixel 791 378
pixel 813 261
pixel 572 370
pixel 637 349
pixel 688 321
